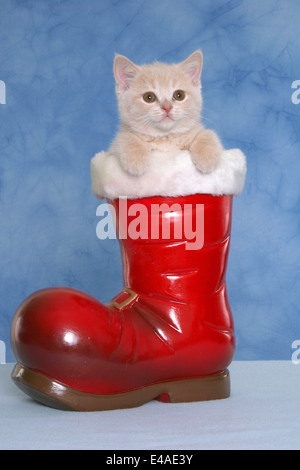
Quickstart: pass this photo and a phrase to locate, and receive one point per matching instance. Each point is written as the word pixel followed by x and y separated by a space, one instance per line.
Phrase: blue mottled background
pixel 56 62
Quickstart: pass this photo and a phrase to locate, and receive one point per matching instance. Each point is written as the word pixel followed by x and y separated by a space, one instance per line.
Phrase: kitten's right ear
pixel 124 71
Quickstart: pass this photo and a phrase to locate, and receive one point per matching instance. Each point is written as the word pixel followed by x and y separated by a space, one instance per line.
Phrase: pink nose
pixel 166 107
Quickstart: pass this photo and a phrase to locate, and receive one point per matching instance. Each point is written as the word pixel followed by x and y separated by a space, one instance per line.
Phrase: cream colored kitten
pixel 160 107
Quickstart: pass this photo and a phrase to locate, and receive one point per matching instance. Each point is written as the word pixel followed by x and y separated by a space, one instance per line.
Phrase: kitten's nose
pixel 166 106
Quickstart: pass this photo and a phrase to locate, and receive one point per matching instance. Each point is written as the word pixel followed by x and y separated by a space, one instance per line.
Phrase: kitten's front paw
pixel 134 164
pixel 207 160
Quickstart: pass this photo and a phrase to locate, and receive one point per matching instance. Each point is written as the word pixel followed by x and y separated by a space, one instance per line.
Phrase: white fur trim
pixel 168 174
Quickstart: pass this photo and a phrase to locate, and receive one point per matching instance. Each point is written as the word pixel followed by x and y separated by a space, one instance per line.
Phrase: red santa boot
pixel 167 335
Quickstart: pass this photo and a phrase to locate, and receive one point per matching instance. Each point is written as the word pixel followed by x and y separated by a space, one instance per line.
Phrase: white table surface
pixel 263 412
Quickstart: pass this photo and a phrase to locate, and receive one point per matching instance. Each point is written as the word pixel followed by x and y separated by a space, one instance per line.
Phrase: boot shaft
pixel 175 247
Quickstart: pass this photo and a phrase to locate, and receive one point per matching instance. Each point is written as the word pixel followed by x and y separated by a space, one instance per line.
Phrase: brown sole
pixel 56 395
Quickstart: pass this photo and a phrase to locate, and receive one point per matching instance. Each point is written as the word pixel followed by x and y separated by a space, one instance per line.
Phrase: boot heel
pixel 212 387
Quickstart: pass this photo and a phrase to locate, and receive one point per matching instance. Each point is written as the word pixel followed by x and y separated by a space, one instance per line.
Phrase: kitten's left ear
pixel 124 71
pixel 192 66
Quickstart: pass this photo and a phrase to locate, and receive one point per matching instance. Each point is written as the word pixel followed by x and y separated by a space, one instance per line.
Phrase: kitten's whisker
pixel 208 120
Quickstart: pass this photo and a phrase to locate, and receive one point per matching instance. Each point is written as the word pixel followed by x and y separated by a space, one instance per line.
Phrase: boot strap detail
pixel 129 295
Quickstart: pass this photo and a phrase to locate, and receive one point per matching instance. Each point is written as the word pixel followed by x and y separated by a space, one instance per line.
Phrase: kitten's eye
pixel 179 95
pixel 149 97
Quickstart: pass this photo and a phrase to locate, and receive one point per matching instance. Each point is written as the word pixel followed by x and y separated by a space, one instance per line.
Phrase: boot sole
pixel 56 395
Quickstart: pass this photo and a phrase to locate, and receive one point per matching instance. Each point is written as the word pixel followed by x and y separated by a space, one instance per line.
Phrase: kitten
pixel 160 107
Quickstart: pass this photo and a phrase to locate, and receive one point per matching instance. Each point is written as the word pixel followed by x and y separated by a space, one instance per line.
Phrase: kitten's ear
pixel 193 66
pixel 124 71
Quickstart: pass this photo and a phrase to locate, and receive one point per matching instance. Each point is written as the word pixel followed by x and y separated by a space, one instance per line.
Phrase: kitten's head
pixel 159 99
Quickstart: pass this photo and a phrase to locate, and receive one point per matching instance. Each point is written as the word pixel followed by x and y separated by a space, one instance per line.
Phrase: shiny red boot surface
pixel 167 335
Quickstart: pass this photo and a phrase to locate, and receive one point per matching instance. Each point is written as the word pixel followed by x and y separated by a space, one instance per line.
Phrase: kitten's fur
pixel 146 127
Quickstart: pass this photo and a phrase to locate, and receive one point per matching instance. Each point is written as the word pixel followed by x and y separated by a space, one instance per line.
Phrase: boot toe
pixel 52 333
